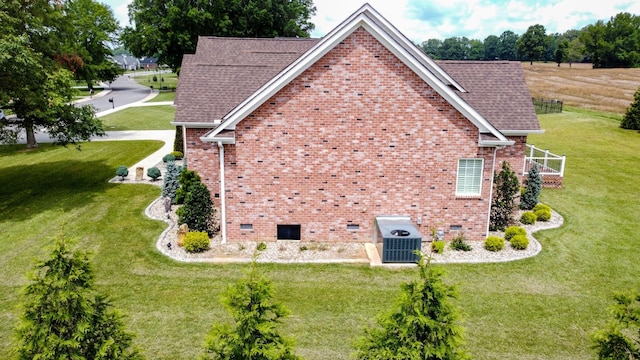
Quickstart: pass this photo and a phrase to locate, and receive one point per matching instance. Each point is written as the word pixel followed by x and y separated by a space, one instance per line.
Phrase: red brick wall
pixel 355 136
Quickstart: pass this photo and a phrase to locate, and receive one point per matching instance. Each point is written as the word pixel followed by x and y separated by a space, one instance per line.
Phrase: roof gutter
pixel 521 132
pixel 191 124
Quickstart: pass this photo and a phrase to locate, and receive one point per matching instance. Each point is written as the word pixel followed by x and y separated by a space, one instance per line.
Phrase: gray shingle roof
pixel 226 71
pixel 497 90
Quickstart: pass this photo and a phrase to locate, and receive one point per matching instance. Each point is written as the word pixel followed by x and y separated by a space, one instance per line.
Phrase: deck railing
pixel 548 163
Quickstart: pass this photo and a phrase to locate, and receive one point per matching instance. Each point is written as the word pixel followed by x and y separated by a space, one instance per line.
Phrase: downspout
pixel 223 212
pixel 493 173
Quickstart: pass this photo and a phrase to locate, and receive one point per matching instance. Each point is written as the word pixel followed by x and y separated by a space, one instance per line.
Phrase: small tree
pixel 178 141
pixel 256 316
pixel 65 317
pixel 423 325
pixel 170 184
pixel 533 184
pixel 631 119
pixel 197 211
pixel 620 340
pixel 503 204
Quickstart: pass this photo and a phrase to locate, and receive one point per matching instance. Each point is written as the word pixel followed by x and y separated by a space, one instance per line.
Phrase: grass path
pixel 539 308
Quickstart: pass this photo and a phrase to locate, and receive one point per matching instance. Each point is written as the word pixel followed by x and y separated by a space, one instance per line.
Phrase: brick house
pixel 312 139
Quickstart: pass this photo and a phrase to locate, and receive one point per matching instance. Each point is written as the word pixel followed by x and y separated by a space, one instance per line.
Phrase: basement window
pixel 353 227
pixel 288 232
pixel 246 226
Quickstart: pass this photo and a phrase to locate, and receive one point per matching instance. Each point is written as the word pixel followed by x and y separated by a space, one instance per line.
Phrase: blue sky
pixel 476 19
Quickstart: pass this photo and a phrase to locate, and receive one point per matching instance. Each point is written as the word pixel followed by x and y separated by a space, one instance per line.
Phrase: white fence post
pixel 564 160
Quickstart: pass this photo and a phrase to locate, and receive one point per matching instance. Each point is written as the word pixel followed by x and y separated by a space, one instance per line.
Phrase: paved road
pixel 124 90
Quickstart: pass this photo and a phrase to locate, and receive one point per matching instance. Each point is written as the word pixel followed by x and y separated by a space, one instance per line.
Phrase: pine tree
pixel 186 180
pixel 531 195
pixel 503 205
pixel 620 340
pixel 631 119
pixel 256 315
pixel 66 318
pixel 197 211
pixel 423 324
pixel 170 184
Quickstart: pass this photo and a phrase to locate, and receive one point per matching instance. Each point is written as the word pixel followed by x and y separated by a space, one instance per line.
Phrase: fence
pixel 544 106
pixel 550 165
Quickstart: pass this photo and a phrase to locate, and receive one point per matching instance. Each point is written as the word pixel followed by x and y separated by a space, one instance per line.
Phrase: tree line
pixel 610 44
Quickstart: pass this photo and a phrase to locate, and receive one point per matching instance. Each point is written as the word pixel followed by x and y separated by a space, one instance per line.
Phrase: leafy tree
pixel 491 47
pixel 531 195
pixel 432 48
pixel 423 325
pixel 631 119
pixel 256 316
pixel 476 50
pixel 170 184
pixel 562 52
pixel 508 40
pixel 66 318
pixel 454 48
pixel 532 44
pixel 503 204
pixel 620 339
pixel 36 87
pixel 615 43
pixel 197 211
pixel 93 27
pixel 171 28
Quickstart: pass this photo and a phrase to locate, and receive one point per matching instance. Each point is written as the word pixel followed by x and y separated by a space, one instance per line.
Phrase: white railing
pixel 548 163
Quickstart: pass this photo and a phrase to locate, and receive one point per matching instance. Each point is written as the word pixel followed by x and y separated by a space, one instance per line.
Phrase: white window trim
pixel 467 194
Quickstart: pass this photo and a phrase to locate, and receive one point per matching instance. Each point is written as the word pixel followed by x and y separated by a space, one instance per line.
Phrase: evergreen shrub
pixel 154 173
pixel 531 193
pixel 196 241
pixel 178 141
pixel 169 157
pixel 494 243
pixel 543 212
pixel 503 203
pixel 631 119
pixel 528 218
pixel 520 242
pixel 177 155
pixel 513 231
pixel 122 171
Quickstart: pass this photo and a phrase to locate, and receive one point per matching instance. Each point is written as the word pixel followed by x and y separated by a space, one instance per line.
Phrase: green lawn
pixel 164 96
pixel 170 80
pixel 540 308
pixel 141 118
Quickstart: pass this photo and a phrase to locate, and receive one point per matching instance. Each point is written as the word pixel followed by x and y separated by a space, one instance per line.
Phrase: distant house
pixel 126 62
pixel 148 63
pixel 314 138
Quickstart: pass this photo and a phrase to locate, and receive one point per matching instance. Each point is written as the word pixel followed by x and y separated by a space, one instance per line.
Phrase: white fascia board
pixel 198 125
pixel 521 132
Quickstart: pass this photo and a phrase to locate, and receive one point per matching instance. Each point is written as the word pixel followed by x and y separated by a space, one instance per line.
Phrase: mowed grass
pixel 540 308
pixel 608 90
pixel 164 96
pixel 141 118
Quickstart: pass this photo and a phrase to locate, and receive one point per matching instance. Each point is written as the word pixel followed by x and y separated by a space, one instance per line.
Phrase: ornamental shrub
pixel 122 171
pixel 186 180
pixel 503 203
pixel 528 218
pixel 197 211
pixel 178 141
pixel 196 241
pixel 169 157
pixel 177 155
pixel 171 184
pixel 520 242
pixel 459 243
pixel 513 231
pixel 543 212
pixel 532 190
pixel 437 246
pixel 154 173
pixel 494 243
